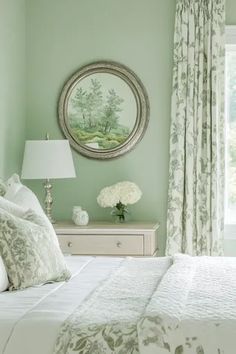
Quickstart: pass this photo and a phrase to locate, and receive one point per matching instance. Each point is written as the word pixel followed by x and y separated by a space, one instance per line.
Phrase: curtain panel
pixel 196 171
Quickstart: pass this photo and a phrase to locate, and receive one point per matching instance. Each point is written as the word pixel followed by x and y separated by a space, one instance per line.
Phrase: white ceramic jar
pixel 80 216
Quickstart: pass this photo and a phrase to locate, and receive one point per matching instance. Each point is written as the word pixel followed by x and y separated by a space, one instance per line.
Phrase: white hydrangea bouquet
pixel 118 196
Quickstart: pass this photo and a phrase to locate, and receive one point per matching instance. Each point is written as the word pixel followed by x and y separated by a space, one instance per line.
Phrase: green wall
pixel 230 12
pixel 12 85
pixel 64 35
pixel 61 36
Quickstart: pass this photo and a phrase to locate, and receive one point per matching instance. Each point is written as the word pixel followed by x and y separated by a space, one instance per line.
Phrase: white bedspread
pixel 185 308
pixel 30 319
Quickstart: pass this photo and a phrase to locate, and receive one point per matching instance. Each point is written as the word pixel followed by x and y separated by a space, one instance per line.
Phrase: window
pixel 230 100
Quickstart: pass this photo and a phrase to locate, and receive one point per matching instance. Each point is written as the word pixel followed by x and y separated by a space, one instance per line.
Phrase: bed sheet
pixel 30 319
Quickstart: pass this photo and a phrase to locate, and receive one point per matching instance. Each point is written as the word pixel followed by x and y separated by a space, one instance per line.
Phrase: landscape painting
pixel 101 111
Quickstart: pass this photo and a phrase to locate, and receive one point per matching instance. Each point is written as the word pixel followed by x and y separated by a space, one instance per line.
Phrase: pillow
pixel 22 195
pixel 4 283
pixel 25 198
pixel 2 187
pixel 29 251
pixel 12 208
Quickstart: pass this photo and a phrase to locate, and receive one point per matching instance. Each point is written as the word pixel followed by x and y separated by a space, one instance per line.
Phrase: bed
pixel 160 305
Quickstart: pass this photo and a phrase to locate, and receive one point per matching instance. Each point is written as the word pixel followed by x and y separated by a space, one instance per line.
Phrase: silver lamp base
pixel 48 201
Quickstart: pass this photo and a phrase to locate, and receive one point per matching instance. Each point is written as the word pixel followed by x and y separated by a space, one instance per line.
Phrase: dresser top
pixel 66 226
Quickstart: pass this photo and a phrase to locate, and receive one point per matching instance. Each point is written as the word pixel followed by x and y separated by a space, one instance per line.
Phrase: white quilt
pixel 107 321
pixel 193 310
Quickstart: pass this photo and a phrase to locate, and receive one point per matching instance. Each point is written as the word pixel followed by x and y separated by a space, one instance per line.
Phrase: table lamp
pixel 47 159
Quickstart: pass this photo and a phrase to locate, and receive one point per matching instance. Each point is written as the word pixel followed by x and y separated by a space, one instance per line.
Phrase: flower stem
pixel 120 210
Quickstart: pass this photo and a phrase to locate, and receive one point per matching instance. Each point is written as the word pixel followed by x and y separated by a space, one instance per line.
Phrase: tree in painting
pixel 87 106
pixel 94 120
pixel 110 117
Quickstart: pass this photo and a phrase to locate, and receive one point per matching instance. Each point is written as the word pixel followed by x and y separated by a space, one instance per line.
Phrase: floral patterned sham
pixel 29 251
pixel 2 188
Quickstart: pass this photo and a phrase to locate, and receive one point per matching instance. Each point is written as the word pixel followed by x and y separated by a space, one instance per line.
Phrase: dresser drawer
pixel 102 244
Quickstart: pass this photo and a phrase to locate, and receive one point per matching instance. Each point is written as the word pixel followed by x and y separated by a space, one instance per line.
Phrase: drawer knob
pixel 118 244
pixel 69 244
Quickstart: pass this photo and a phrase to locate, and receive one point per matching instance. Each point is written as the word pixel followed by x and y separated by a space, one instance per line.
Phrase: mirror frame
pixel 142 105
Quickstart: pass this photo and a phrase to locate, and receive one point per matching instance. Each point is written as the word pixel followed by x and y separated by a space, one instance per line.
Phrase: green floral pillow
pixel 29 251
pixel 2 188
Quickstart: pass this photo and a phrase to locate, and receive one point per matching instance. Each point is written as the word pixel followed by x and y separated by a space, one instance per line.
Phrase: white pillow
pixel 22 195
pixel 12 208
pixel 25 198
pixel 4 283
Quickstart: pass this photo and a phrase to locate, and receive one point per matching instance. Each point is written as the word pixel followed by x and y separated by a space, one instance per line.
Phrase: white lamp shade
pixel 47 159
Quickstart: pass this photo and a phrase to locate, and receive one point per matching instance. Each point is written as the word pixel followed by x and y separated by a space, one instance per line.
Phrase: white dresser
pixel 99 238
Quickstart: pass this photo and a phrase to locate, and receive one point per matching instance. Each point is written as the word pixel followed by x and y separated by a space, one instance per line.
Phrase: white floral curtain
pixel 196 173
